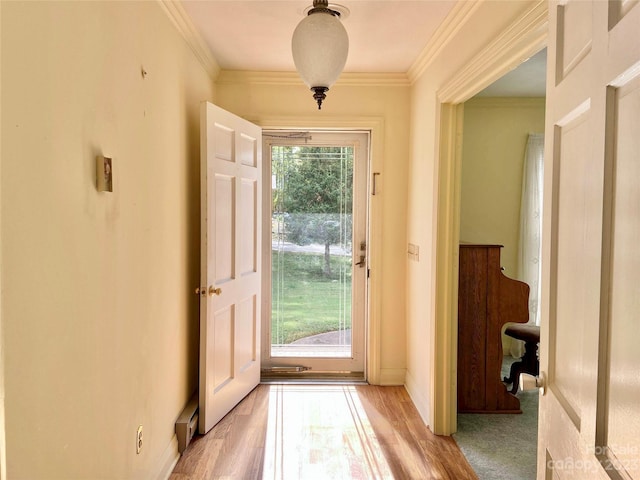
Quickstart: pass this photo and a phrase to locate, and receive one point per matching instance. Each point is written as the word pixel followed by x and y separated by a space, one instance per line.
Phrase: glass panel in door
pixel 318 254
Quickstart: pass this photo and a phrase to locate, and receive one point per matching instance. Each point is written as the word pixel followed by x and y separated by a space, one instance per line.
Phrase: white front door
pixel 590 415
pixel 230 262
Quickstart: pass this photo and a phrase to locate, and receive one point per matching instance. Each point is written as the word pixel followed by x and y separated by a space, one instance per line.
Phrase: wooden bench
pixel 529 363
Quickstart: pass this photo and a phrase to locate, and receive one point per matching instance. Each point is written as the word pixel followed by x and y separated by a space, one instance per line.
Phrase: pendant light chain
pixel 322 6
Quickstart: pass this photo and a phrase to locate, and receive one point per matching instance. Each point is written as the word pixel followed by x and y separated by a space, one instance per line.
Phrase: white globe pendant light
pixel 320 46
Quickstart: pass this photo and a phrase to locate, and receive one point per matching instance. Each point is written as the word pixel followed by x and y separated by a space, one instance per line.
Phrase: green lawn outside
pixel 305 302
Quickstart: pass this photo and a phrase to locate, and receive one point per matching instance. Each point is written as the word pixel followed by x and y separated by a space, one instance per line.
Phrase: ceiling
pixel 528 80
pixel 385 36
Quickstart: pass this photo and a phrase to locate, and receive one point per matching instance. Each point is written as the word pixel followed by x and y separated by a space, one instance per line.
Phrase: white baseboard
pixel 418 398
pixel 392 376
pixel 168 460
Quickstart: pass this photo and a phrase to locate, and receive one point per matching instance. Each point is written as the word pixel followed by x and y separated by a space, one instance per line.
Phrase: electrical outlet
pixel 139 439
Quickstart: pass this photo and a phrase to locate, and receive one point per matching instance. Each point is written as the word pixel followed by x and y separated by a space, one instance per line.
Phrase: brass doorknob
pixel 214 291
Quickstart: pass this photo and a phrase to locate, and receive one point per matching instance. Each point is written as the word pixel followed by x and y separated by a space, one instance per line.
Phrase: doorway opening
pixel 500 203
pixel 315 260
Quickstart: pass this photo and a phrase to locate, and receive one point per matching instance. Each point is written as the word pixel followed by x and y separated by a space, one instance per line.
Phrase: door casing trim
pixel 375 125
pixel 523 38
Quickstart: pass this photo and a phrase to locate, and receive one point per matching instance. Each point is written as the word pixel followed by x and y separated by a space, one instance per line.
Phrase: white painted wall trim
pixel 421 402
pixel 235 77
pixel 174 10
pixel 445 275
pixel 524 37
pixel 392 376
pixel 376 126
pixel 454 21
pixel 168 460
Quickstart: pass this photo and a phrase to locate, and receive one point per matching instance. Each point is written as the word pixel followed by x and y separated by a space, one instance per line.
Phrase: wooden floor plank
pixel 324 432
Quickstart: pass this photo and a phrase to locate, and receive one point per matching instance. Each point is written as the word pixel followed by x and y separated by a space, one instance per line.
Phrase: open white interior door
pixel 230 262
pixel 590 415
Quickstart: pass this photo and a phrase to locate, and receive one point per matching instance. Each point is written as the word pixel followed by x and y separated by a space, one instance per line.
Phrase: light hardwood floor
pixel 323 432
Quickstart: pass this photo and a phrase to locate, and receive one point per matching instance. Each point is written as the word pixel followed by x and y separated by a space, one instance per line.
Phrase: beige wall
pixel 494 140
pixel 100 326
pixel 268 102
pixel 484 24
pixel 495 135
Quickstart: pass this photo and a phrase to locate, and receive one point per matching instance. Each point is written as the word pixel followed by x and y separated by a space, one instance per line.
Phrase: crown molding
pixel 331 122
pixel 374 79
pixel 227 77
pixel 452 23
pixel 174 10
pixel 524 37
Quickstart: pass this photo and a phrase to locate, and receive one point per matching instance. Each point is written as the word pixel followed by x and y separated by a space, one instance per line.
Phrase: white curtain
pixel 529 244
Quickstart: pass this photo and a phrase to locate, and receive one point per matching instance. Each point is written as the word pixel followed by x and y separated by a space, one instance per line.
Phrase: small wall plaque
pixel 104 174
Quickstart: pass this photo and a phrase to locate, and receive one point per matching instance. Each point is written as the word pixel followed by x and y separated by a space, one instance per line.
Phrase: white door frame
pixel 360 140
pixel 526 36
pixel 375 125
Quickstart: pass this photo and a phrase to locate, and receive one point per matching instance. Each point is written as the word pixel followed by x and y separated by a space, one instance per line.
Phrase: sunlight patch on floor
pixel 323 433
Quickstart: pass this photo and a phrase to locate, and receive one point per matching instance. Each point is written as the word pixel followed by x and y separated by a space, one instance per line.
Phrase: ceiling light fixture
pixel 320 45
